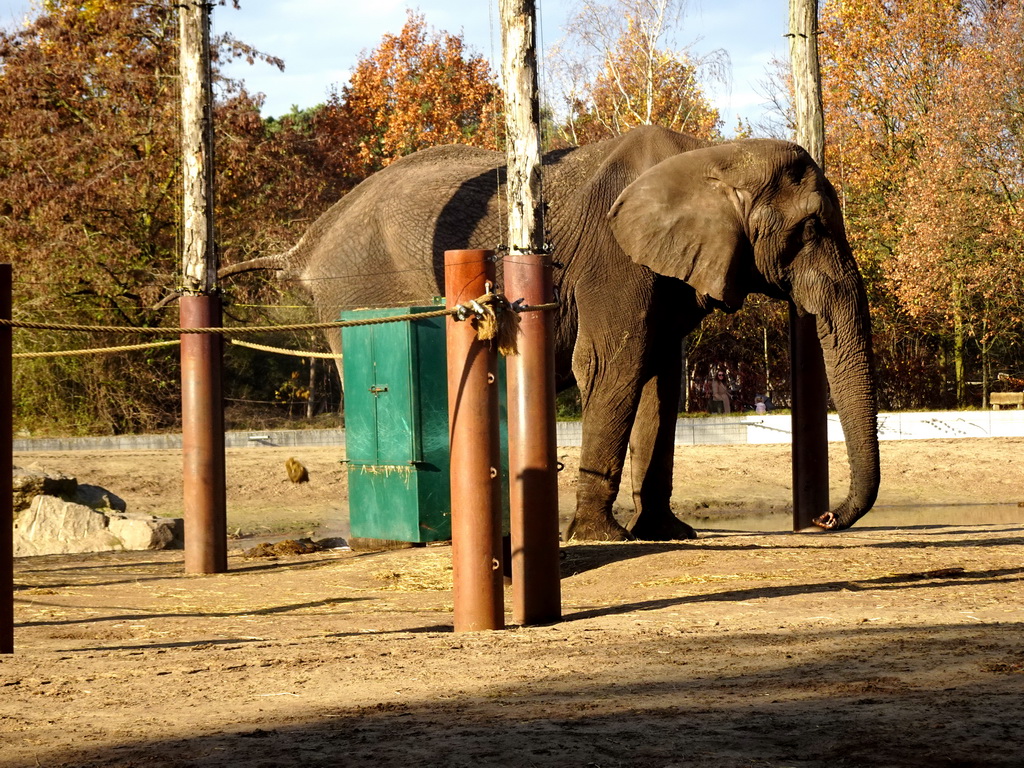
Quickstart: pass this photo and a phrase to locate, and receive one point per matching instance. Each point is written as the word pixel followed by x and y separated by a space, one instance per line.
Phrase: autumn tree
pixel 618 68
pixel 419 88
pixel 922 102
pixel 960 257
pixel 87 194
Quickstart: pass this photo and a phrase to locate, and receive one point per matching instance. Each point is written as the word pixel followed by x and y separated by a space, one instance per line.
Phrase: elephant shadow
pixel 465 215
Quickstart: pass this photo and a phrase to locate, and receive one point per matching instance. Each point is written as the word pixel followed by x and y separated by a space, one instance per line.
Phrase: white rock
pixel 137 532
pixel 52 526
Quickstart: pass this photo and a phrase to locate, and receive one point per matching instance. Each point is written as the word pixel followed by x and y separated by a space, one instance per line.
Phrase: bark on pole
pixel 477 583
pixel 202 413
pixel 533 478
pixel 522 125
pixel 6 479
pixel 807 367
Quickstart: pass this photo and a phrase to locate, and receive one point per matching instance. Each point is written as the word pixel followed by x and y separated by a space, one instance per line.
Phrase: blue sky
pixel 320 40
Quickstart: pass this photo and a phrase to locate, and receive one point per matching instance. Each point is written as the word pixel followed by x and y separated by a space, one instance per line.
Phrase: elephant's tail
pixel 277 262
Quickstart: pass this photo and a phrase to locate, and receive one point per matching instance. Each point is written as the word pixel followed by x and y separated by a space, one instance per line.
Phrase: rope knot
pixel 494 319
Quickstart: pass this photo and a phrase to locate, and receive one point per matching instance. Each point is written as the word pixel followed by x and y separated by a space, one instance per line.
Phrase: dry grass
pixel 430 572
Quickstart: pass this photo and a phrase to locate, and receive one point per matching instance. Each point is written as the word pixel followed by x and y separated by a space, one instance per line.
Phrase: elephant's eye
pixel 812 229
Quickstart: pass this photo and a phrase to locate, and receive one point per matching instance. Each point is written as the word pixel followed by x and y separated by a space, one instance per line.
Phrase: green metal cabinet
pixel 396 426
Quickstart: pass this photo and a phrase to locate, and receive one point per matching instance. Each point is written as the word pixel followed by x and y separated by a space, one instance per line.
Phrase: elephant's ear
pixel 682 218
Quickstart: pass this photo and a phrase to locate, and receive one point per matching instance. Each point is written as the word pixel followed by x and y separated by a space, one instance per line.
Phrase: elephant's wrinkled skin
pixel 654 230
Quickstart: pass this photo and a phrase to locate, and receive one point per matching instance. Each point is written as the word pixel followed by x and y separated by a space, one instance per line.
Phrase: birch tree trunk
pixel 803 52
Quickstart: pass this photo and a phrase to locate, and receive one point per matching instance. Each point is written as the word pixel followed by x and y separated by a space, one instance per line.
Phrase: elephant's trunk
pixel 844 330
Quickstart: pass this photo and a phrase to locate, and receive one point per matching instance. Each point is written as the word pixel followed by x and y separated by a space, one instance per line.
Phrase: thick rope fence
pixel 492 314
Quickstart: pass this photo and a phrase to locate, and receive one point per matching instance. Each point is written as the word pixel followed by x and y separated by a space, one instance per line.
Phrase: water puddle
pixel 882 517
pixel 908 516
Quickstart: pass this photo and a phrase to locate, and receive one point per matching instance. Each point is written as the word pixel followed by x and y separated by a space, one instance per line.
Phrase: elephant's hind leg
pixel 652 451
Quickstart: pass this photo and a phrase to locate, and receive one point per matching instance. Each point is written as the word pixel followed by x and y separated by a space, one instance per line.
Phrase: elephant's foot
pixel 596 529
pixel 662 527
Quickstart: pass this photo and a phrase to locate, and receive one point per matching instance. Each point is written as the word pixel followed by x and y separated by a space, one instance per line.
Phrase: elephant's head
pixel 759 216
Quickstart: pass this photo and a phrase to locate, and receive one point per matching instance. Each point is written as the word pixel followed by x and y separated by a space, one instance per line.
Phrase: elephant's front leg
pixel 674 313
pixel 609 391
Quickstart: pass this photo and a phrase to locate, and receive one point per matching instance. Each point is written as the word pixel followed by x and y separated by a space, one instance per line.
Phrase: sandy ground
pixel 893 644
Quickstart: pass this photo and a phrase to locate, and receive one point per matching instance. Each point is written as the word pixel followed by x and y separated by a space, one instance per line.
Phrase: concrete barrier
pixel 255 438
pixel 710 430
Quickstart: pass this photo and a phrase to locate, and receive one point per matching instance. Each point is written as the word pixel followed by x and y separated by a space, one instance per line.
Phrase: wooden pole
pixel 477 582
pixel 6 479
pixel 522 125
pixel 807 367
pixel 807 103
pixel 202 413
pixel 533 474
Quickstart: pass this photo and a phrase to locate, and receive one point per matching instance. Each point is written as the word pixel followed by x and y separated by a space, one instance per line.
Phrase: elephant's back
pixel 383 242
pixel 428 169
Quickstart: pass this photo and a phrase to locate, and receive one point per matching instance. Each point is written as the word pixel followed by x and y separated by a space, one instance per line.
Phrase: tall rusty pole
pixel 807 366
pixel 6 480
pixel 202 412
pixel 474 454
pixel 533 479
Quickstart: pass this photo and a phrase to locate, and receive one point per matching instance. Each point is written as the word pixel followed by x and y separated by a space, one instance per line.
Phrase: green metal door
pixel 396 427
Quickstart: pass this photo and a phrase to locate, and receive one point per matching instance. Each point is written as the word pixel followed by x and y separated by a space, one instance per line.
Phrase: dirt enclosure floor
pixel 886 645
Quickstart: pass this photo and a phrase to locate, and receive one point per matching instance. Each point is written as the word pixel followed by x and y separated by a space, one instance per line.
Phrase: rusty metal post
pixel 475 456
pixel 202 437
pixel 6 481
pixel 810 425
pixel 533 474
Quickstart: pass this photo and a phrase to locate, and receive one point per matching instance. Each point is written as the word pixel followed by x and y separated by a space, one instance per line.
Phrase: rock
pixel 33 481
pixel 52 526
pixel 332 542
pixel 98 498
pixel 138 531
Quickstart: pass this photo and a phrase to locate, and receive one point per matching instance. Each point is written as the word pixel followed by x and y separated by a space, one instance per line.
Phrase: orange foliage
pixel 881 61
pixel 926 142
pixel 642 85
pixel 416 89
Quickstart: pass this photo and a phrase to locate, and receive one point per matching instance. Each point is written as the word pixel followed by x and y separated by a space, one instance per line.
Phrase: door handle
pixel 378 390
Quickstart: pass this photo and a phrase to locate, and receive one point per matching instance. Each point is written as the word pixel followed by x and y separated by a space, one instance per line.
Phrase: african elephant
pixel 653 230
